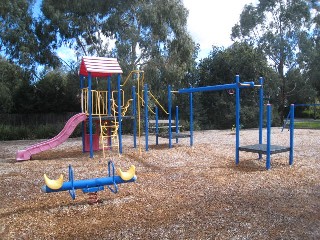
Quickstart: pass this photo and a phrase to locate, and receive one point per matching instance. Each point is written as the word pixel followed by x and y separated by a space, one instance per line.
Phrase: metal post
pixel 157 125
pixel 109 96
pixel 177 123
pixel 134 113
pixel 90 113
pixel 191 118
pixel 169 111
pixel 83 133
pixel 291 133
pixel 237 118
pixel 146 120
pixel 119 114
pixel 268 160
pixel 260 113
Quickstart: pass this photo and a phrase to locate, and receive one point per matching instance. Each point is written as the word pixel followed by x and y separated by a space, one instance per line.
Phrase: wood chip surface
pixel 181 193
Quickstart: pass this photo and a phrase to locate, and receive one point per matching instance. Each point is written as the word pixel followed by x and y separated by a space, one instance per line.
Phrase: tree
pixel 309 57
pixel 57 91
pixel 149 32
pixel 276 27
pixel 81 25
pixel 220 67
pixel 24 40
pixel 12 78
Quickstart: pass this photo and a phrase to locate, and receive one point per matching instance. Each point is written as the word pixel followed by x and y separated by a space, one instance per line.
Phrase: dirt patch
pixel 181 193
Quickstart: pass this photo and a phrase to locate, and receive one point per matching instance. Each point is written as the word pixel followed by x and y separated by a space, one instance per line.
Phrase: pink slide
pixel 53 142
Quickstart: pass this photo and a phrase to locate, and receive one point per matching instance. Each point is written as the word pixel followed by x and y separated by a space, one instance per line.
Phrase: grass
pixel 312 124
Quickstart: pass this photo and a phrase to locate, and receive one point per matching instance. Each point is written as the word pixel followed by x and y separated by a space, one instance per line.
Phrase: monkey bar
pixel 260 148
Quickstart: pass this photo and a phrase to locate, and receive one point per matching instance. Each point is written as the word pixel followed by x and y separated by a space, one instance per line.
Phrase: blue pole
pixel 82 110
pixel 191 118
pixel 217 87
pixel 81 81
pixel 109 96
pixel 237 118
pixel 119 114
pixel 134 113
pixel 146 119
pixel 268 160
pixel 90 113
pixel 177 122
pixel 157 125
pixel 291 133
pixel 260 113
pixel 169 111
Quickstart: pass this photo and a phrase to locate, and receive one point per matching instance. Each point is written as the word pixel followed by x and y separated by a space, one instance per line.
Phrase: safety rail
pixel 99 100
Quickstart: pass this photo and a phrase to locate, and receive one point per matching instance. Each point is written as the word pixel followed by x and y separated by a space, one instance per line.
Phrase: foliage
pixel 279 28
pixel 23 39
pixel 150 35
pixel 309 57
pixel 220 68
pixel 9 132
pixel 12 78
pixel 59 93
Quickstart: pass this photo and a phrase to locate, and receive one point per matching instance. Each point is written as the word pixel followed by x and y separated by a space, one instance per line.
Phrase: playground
pixel 181 192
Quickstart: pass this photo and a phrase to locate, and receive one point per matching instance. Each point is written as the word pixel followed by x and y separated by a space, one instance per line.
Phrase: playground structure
pixel 90 185
pixel 106 109
pixel 259 148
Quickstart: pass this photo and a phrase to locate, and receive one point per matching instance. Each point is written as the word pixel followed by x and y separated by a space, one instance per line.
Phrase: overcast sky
pixel 210 21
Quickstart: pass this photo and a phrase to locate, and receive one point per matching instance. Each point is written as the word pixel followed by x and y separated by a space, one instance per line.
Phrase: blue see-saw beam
pixel 88 183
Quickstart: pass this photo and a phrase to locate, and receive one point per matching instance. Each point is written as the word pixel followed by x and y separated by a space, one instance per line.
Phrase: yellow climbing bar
pixel 150 109
pixel 53 184
pixel 128 174
pixel 139 72
pixel 154 98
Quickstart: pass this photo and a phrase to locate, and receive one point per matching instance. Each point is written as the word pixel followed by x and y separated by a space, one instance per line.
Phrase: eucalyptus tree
pixel 309 56
pixel 276 27
pixel 23 39
pixel 16 24
pixel 145 34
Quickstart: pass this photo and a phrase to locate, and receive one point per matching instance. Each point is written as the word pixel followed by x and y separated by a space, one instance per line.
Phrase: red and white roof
pixel 99 66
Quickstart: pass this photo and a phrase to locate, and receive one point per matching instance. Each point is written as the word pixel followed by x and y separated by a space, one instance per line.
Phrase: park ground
pixel 181 193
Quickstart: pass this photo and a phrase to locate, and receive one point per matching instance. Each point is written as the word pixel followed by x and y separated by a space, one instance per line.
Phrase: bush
pixel 22 132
